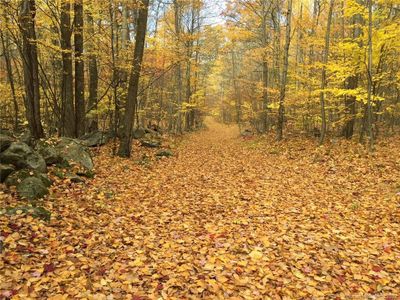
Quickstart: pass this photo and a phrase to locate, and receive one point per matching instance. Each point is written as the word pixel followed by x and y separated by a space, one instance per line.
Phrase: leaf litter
pixel 223 218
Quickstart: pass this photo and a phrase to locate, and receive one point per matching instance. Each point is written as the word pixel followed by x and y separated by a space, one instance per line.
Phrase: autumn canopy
pixel 199 149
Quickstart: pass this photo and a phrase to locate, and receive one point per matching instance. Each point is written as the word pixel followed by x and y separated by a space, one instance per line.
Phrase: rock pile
pixel 25 167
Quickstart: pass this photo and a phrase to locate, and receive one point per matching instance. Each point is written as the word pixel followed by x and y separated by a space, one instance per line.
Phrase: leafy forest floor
pixel 223 218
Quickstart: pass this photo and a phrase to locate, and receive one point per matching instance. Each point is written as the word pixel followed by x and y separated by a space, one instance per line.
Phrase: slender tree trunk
pixel 67 95
pixel 299 50
pixel 351 83
pixel 190 43
pixel 264 37
pixel 125 27
pixel 7 58
pixel 238 99
pixel 281 111
pixel 79 69
pixel 369 101
pixel 312 71
pixel 93 122
pixel 126 141
pixel 177 12
pixel 31 67
pixel 323 75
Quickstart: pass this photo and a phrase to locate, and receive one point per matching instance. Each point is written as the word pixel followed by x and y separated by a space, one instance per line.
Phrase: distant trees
pixel 328 82
pixel 80 57
pixel 322 67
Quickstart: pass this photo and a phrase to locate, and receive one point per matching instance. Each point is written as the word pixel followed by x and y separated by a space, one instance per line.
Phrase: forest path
pixel 223 218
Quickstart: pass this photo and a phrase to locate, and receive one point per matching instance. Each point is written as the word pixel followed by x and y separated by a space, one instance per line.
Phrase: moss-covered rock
pixel 17 177
pixel 34 211
pixel 164 153
pixel 23 156
pixel 5 141
pixel 5 170
pixel 32 188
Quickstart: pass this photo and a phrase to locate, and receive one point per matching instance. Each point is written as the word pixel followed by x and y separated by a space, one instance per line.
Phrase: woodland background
pixel 316 67
pixel 245 208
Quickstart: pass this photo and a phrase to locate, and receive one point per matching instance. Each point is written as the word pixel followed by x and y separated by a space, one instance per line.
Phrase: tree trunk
pixel 79 69
pixel 264 38
pixel 323 75
pixel 238 100
pixel 31 67
pixel 351 83
pixel 281 111
pixel 126 141
pixel 67 97
pixel 7 58
pixel 93 122
pixel 369 101
pixel 178 69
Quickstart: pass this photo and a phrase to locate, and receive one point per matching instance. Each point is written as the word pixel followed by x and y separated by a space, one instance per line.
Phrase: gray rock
pixel 74 153
pixel 5 141
pixel 26 137
pixel 5 170
pixel 32 188
pixel 95 139
pixel 22 156
pixel 36 162
pixel 66 152
pixel 34 211
pixel 6 131
pixel 150 143
pixel 139 133
pixel 75 178
pixel 47 150
pixel 166 153
pixel 247 133
pixel 17 177
pixel 152 132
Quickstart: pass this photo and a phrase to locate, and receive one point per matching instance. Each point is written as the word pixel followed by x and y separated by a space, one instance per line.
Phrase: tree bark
pixel 264 38
pixel 79 70
pixel 369 101
pixel 351 83
pixel 323 75
pixel 7 58
pixel 67 96
pixel 93 122
pixel 178 69
pixel 126 141
pixel 31 67
pixel 238 100
pixel 281 111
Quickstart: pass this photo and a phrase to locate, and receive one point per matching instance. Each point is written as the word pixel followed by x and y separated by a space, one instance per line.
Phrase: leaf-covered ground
pixel 223 218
